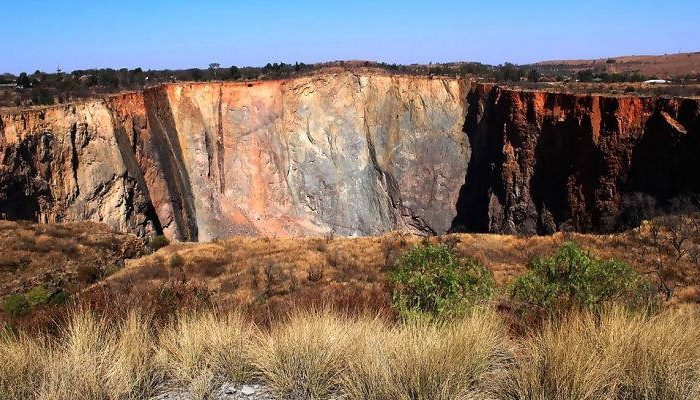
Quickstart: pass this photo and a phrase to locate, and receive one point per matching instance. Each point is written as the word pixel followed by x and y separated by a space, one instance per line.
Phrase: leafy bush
pixel 60 298
pixel 159 242
pixel 38 296
pixel 176 261
pixel 571 278
pixel 432 280
pixel 16 305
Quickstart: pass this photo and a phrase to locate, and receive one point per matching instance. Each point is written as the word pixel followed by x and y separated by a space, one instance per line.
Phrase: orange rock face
pixel 344 153
pixel 353 155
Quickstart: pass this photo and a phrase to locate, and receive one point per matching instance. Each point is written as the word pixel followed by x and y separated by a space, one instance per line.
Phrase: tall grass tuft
pixel 460 360
pixel 199 350
pixel 98 359
pixel 22 361
pixel 611 354
pixel 618 355
pixel 304 357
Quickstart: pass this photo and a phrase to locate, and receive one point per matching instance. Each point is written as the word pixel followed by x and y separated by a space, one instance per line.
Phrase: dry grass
pixel 98 359
pixel 59 257
pixel 323 354
pixel 313 356
pixel 273 276
pixel 618 355
pixel 22 361
pixel 460 360
pixel 305 357
pixel 197 351
pixel 268 277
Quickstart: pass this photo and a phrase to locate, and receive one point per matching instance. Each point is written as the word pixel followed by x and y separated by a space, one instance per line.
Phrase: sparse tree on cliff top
pixel 533 76
pixel 23 80
pixel 214 67
pixel 235 73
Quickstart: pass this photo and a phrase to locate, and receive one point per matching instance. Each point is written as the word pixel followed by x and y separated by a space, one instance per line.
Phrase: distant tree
pixel 533 75
pixel 41 96
pixel 108 78
pixel 194 74
pixel 585 75
pixel 137 76
pixel 23 80
pixel 508 72
pixel 214 68
pixel 235 73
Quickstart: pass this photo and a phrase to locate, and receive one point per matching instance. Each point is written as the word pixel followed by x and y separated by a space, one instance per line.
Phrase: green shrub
pixel 38 296
pixel 16 305
pixel 158 242
pixel 176 261
pixel 571 278
pixel 60 298
pixel 432 280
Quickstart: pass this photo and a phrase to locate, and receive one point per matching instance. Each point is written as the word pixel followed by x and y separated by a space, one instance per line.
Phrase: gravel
pixel 226 391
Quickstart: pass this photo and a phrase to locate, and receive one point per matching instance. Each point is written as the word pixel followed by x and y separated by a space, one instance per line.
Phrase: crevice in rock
pixel 167 147
pixel 74 158
pixel 137 197
pixel 475 194
pixel 221 149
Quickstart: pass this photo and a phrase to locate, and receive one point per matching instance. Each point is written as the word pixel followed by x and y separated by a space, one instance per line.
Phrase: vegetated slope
pixel 273 275
pixel 60 257
pixel 662 66
pixel 348 154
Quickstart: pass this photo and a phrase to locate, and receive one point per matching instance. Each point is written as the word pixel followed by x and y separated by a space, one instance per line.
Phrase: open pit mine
pixel 347 154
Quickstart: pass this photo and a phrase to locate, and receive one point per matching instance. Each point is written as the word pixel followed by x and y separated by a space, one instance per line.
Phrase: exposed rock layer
pixel 544 162
pixel 342 153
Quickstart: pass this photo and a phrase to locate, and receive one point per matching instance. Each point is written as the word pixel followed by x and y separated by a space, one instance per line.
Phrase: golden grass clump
pixel 98 359
pixel 459 360
pixel 618 355
pixel 22 360
pixel 322 354
pixel 304 357
pixel 199 350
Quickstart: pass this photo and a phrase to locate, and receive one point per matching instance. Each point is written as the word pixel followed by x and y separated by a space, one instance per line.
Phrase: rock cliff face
pixel 354 155
pixel 544 162
pixel 344 153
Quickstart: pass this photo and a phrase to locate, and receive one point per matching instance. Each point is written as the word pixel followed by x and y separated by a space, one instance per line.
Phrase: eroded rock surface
pixel 344 153
pixel 545 162
pixel 353 155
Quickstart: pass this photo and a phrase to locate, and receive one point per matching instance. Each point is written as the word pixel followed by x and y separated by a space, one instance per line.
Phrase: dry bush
pixel 199 351
pixel 616 356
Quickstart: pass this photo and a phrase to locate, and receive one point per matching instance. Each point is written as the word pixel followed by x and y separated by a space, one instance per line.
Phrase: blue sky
pixel 178 34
